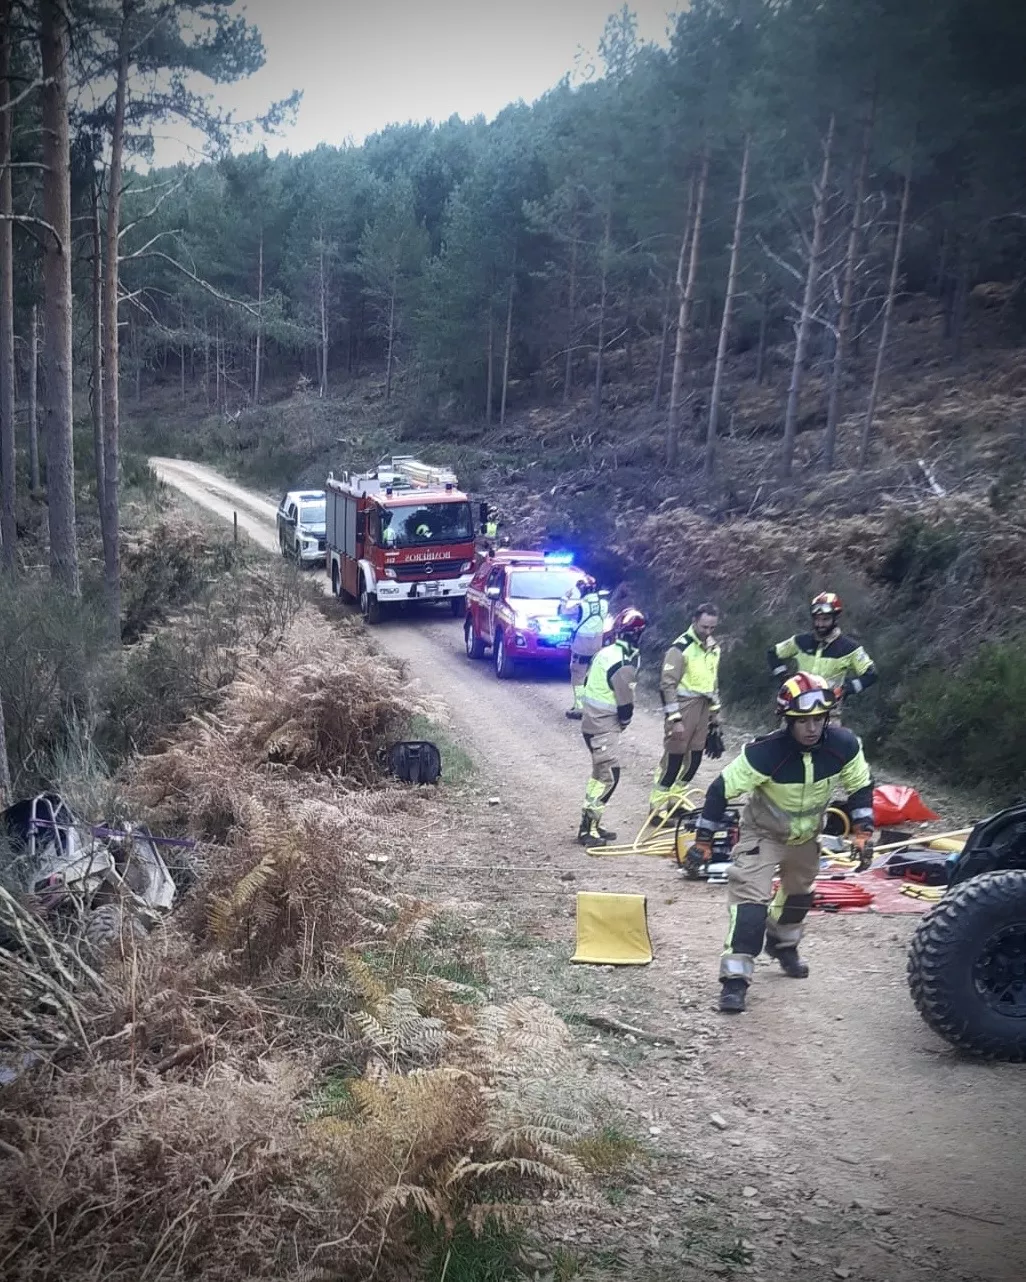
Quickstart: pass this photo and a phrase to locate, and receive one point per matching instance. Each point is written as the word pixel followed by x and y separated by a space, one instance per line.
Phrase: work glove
pixel 697 856
pixel 862 845
pixel 714 742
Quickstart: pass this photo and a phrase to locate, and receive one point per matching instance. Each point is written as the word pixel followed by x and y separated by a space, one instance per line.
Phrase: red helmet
pixel 805 695
pixel 827 603
pixel 628 626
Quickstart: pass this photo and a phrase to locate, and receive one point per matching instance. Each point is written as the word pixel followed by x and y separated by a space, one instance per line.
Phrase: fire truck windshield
pixel 541 585
pixel 425 524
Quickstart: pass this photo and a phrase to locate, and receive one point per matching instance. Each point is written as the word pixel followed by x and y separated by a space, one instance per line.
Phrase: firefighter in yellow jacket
pixel 688 688
pixel 826 652
pixel 608 703
pixel 790 777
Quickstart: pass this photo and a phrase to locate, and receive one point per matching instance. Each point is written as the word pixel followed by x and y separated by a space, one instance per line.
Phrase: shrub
pixel 966 725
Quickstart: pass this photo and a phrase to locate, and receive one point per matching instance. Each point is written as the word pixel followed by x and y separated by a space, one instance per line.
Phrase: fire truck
pixel 401 532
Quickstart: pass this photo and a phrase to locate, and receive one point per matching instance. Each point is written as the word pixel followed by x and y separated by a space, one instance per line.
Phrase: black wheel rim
pixel 999 974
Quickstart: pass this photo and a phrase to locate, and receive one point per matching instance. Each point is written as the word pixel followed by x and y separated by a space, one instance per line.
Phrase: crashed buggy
pixel 967 958
pixel 93 881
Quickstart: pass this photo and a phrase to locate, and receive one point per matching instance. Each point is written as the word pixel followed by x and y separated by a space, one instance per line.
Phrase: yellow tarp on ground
pixel 612 930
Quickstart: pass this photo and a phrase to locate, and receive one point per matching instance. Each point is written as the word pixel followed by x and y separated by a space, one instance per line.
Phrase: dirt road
pixel 832 1090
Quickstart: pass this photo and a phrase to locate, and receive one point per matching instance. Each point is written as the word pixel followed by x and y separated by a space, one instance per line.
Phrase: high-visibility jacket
pixel 690 670
pixel 588 612
pixel 608 695
pixel 836 658
pixel 790 787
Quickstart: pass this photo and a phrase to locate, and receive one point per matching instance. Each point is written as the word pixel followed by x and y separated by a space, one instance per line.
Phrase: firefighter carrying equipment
pixel 790 788
pixel 612 930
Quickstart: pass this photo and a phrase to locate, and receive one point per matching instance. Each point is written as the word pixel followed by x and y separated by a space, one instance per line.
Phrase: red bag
pixel 897 804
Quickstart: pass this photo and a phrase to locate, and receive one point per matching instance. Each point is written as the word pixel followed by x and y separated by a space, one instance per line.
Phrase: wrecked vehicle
pixel 98 882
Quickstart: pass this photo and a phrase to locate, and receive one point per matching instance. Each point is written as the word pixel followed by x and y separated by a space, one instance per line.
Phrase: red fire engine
pixel 399 533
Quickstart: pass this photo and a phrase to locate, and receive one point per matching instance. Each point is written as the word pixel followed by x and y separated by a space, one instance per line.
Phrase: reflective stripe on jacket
pixel 612 677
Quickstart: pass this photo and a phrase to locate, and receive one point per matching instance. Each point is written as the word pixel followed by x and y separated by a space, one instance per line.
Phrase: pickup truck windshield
pixel 541 585
pixel 311 514
pixel 426 524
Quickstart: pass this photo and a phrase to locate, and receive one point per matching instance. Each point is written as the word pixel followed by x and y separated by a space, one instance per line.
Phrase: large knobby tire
pixel 108 927
pixel 474 645
pixel 967 966
pixel 505 668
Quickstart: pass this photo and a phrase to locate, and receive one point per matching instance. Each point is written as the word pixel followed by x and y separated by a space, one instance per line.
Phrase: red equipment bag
pixel 896 804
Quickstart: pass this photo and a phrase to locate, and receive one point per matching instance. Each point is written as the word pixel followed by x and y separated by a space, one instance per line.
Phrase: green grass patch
pixel 493 1255
pixel 607 1150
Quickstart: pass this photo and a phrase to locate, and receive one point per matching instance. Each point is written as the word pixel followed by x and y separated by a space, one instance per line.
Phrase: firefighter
pixel 586 608
pixel 691 705
pixel 790 776
pixel 491 525
pixel 826 652
pixel 608 709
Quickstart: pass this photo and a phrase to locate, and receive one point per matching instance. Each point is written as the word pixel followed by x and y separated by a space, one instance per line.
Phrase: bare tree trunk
pixel 664 333
pixel 96 397
pixel 136 359
pixel 603 299
pixel 571 322
pixel 33 410
pixel 892 289
pixel 181 353
pixel 8 452
pixel 961 299
pixel 728 306
pixel 257 371
pixel 218 388
pixel 391 340
pixel 760 355
pixel 323 282
pixel 686 295
pixel 54 46
pixel 506 348
pixel 206 359
pixel 490 371
pixel 808 302
pixel 6 791
pixel 110 515
pixel 847 293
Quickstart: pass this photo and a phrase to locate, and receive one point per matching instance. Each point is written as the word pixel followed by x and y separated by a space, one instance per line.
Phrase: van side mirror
pixel 494 591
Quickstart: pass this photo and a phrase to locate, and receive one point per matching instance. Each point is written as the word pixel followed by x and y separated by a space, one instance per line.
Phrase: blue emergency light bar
pixel 559 558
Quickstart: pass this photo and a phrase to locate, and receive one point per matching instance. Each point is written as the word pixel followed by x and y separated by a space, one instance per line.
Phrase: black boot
pixel 787 957
pixel 591 833
pixel 732 995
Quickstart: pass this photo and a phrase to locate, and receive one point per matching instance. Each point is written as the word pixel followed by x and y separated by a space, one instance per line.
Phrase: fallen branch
pixel 627 1030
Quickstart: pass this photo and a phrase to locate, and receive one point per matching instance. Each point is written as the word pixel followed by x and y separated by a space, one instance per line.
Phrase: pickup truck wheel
pixel 475 646
pixel 967 966
pixel 505 668
pixel 370 606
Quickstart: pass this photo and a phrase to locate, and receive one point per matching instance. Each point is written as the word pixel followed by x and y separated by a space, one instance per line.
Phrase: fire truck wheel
pixel 370 606
pixel 505 668
pixel 458 606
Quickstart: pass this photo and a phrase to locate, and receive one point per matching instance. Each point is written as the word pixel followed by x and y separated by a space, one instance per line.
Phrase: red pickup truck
pixel 513 607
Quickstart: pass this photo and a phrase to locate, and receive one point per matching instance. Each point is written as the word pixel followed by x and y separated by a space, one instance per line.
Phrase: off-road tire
pixel 108 927
pixel 370 606
pixel 946 953
pixel 505 668
pixel 475 647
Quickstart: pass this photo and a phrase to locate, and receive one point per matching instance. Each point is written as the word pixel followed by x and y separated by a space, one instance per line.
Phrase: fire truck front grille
pixel 416 570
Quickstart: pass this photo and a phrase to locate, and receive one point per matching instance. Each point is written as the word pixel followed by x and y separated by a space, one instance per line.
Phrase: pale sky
pixel 362 66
